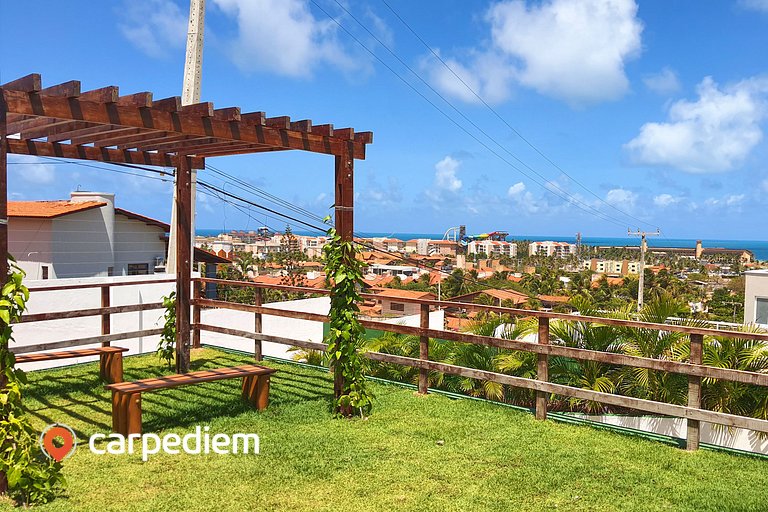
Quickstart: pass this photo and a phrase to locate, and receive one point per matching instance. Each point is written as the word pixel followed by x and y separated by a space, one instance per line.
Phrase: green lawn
pixel 490 457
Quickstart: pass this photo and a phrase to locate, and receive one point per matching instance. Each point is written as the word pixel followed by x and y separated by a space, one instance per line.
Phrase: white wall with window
pixel 756 297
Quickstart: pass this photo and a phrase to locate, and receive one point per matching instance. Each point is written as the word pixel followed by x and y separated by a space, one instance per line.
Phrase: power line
pixel 500 118
pixel 562 194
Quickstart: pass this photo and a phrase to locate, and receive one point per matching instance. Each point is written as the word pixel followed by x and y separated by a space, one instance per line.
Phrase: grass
pixel 488 458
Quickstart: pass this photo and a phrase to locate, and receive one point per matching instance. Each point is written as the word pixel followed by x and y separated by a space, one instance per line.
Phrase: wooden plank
pixel 54 128
pixel 38 148
pixel 103 138
pixel 54 345
pixel 257 325
pixel 203 109
pixel 323 129
pixel 257 118
pixel 80 313
pixel 344 194
pixel 49 106
pixel 694 393
pixel 69 89
pixel 30 83
pixel 542 370
pixel 227 114
pixel 78 133
pixel 424 349
pixel 183 261
pixel 147 139
pixel 305 125
pixel 138 99
pixel 309 345
pixel 172 381
pixel 172 104
pixel 28 123
pixel 108 94
pixel 67 354
pixel 195 316
pixel 56 288
pixel 106 323
pixel 364 137
pixel 344 133
pixel 4 218
pixel 281 122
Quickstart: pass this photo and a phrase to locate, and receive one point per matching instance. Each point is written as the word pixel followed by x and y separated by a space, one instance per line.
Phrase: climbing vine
pixel 166 345
pixel 345 334
pixel 27 473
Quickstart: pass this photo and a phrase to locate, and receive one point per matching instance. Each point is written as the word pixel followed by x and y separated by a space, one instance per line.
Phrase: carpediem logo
pixel 58 441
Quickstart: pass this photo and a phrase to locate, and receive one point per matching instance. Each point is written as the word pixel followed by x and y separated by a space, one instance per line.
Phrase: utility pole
pixel 643 247
pixel 193 66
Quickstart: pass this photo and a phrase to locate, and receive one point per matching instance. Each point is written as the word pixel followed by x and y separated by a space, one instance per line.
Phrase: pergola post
pixel 3 227
pixel 183 260
pixel 343 205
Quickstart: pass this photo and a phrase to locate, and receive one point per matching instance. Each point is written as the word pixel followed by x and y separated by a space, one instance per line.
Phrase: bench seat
pixel 111 366
pixel 126 396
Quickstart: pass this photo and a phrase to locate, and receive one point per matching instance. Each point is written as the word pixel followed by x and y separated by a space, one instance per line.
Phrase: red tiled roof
pixel 408 294
pixel 49 209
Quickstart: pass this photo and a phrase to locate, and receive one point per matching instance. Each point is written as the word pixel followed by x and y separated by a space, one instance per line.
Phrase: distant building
pixel 492 248
pixel 390 305
pixel 442 247
pixel 612 267
pixel 756 297
pixel 418 246
pixel 549 248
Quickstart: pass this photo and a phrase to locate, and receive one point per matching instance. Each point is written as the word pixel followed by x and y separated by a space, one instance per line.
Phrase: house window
pixel 761 311
pixel 110 271
pixel 44 271
pixel 396 306
pixel 138 269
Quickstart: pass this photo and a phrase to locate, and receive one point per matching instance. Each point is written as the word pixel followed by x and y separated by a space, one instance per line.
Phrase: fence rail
pixel 695 370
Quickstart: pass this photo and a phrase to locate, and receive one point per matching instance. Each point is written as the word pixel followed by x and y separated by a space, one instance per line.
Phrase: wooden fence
pixel 694 369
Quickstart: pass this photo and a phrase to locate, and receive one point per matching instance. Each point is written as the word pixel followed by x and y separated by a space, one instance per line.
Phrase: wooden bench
pixel 111 359
pixel 126 396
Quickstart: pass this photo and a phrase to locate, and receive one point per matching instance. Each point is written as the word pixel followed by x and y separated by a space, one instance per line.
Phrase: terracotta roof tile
pixel 49 209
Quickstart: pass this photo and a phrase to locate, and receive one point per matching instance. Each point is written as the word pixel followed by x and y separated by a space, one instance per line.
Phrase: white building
pixel 418 246
pixel 549 248
pixel 612 267
pixel 85 236
pixel 492 248
pixel 756 297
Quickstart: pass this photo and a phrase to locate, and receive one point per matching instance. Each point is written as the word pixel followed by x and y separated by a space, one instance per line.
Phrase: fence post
pixel 542 369
pixel 196 289
pixel 694 392
pixel 424 349
pixel 105 329
pixel 257 300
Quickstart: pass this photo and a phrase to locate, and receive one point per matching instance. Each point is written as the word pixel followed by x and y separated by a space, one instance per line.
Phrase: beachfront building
pixel 492 248
pixel 756 297
pixel 549 248
pixel 417 246
pixel 612 267
pixel 442 247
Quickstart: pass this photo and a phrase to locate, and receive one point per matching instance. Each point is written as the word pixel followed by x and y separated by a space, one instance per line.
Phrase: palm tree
pixel 244 264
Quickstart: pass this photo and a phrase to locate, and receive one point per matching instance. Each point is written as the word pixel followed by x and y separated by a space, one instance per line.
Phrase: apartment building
pixel 492 248
pixel 550 248
pixel 442 247
pixel 612 267
pixel 418 246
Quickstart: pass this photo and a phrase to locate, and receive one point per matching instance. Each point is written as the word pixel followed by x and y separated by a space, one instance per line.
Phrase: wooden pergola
pixel 101 125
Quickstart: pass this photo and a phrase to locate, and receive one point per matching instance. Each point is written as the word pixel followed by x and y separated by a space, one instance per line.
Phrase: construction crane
pixel 193 72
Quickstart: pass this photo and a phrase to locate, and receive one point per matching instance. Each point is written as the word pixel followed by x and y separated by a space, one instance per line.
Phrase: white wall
pixel 137 242
pixel 29 241
pixel 86 327
pixel 82 244
pixel 737 438
pixel 756 286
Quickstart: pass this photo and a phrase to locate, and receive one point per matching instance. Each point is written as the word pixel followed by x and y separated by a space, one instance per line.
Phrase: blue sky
pixel 633 114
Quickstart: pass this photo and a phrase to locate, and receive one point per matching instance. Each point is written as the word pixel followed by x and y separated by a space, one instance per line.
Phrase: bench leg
pixel 256 390
pixel 111 367
pixel 126 413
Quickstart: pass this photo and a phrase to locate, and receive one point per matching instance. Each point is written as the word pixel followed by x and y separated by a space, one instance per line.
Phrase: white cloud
pixel 732 201
pixel 516 189
pixel 621 197
pixel 284 37
pixel 445 174
pixel 33 170
pixel 764 185
pixel 715 133
pixel 489 74
pixel 757 5
pixel 154 26
pixel 573 50
pixel 664 200
pixel 523 198
pixel 664 82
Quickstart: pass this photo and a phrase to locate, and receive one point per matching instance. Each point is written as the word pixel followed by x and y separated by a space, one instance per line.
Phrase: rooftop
pixel 49 209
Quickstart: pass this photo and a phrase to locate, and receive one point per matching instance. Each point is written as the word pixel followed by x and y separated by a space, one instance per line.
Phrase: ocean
pixel 758 248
